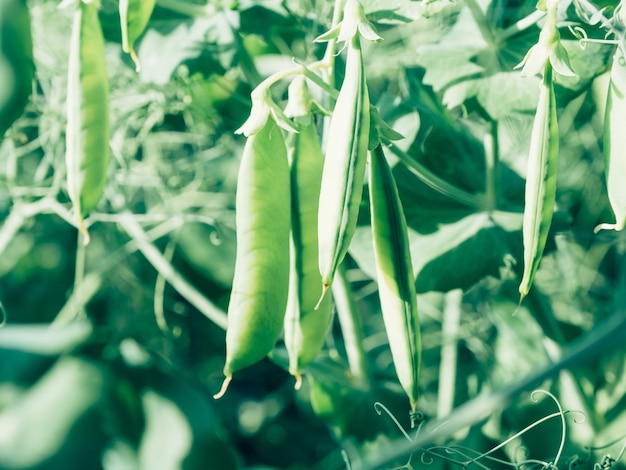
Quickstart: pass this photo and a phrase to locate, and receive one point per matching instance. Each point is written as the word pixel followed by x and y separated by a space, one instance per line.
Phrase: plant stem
pixel 520 25
pixel 481 21
pixel 437 183
pixel 607 336
pixel 79 269
pixel 449 350
pixel 351 328
pixel 188 9
pixel 492 189
pixel 176 280
pixel 91 282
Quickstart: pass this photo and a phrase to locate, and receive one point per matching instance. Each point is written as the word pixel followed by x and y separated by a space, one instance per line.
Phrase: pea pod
pixel 394 269
pixel 305 327
pixel 134 17
pixel 87 133
pixel 344 166
pixel 16 61
pixel 261 281
pixel 540 180
pixel 614 148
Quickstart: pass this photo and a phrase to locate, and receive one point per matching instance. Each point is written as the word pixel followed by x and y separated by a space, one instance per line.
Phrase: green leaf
pixel 162 50
pixel 167 437
pixel 402 11
pixel 54 418
pixel 210 251
pixel 43 339
pixel 457 255
pixel 500 94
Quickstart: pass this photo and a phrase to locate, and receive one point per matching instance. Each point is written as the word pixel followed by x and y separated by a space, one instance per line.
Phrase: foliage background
pixel 132 388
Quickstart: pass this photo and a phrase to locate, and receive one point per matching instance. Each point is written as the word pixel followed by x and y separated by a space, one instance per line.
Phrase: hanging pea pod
pixel 16 61
pixel 540 180
pixel 258 300
pixel 614 148
pixel 134 17
pixel 396 281
pixel 87 133
pixel 344 166
pixel 546 57
pixel 305 327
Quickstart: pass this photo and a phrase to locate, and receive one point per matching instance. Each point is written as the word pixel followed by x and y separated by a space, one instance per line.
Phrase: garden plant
pixel 312 234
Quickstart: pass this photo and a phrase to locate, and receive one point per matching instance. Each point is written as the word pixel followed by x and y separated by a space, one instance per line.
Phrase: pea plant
pixel 393 231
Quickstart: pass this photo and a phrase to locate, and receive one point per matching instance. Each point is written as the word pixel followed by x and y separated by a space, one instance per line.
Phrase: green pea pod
pixel 305 327
pixel 614 148
pixel 261 282
pixel 134 17
pixel 16 61
pixel 394 269
pixel 540 180
pixel 87 134
pixel 344 166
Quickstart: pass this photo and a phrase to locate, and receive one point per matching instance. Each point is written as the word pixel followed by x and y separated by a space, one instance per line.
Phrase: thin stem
pixel 328 74
pixel 331 48
pixel 449 352
pixel 481 21
pixel 492 189
pixel 176 280
pixel 351 328
pixel 188 9
pixel 91 283
pixel 159 290
pixel 520 25
pixel 602 339
pixel 437 183
pixel 79 269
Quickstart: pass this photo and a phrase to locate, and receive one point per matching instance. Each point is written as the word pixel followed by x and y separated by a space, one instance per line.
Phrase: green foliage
pixel 110 353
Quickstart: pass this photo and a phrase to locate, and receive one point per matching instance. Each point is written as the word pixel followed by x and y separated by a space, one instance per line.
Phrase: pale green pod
pixel 134 17
pixel 344 166
pixel 394 271
pixel 614 145
pixel 88 129
pixel 305 326
pixel 540 180
pixel 258 299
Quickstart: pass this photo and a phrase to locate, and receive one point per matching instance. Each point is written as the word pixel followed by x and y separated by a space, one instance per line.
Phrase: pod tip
pixel 82 228
pixel 298 383
pixel 135 60
pixel 616 227
pixel 319 302
pixel 225 385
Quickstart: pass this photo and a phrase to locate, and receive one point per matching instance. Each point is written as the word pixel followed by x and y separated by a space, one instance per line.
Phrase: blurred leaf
pixel 52 422
pixel 346 408
pixel 587 63
pixel 210 251
pixel 457 255
pixel 43 339
pixel 500 94
pixel 167 438
pixel 161 52
pixel 182 430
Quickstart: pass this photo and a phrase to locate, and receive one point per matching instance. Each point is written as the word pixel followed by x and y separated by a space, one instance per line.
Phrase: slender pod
pixel 394 269
pixel 614 145
pixel 261 281
pixel 540 180
pixel 16 61
pixel 87 133
pixel 134 17
pixel 305 326
pixel 344 166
